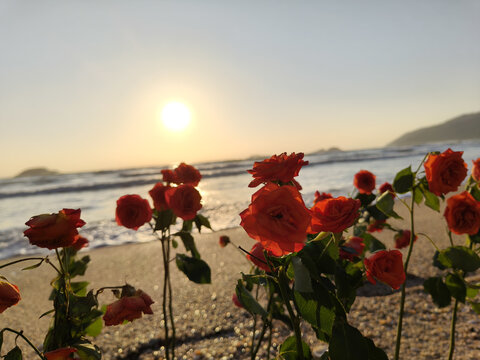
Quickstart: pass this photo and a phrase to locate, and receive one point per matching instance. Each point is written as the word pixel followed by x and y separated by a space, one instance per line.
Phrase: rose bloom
pixel 236 301
pixel 128 308
pixel 386 187
pixel 445 172
pixel 60 354
pixel 385 266
pixel 322 196
pixel 402 239
pixel 376 226
pixel 257 256
pixel 132 211
pixel 158 196
pixel 463 214
pixel 184 200
pixel 355 246
pixel 168 176
pixel 9 295
pixel 80 242
pixel 223 241
pixel 186 174
pixel 334 215
pixel 476 170
pixel 364 181
pixel 278 218
pixel 52 231
pixel 282 168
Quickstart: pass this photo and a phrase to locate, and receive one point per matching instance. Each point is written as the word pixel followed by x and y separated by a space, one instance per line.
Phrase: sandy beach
pixel 210 327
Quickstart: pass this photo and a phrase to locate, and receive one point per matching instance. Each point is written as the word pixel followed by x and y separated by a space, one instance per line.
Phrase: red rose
pixel 128 308
pixel 334 215
pixel 184 200
pixel 9 295
pixel 386 266
pixel 376 226
pixel 279 168
pixel 236 301
pixel 223 241
pixel 168 176
pixel 60 354
pixel 80 243
pixel 257 256
pixel 52 231
pixel 278 218
pixel 132 211
pixel 158 196
pixel 364 181
pixel 476 170
pixel 402 239
pixel 322 196
pixel 386 187
pixel 445 172
pixel 352 248
pixel 186 174
pixel 463 214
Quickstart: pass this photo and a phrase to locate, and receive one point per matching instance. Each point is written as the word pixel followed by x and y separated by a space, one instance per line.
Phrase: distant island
pixel 40 171
pixel 465 127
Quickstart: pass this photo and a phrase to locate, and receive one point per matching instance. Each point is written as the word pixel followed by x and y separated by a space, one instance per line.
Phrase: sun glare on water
pixel 176 116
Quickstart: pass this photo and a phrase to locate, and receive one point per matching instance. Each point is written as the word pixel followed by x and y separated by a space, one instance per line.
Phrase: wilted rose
pixel 334 215
pixel 157 193
pixel 9 295
pixel 186 174
pixel 223 241
pixel 60 354
pixel 52 231
pixel 184 200
pixel 445 172
pixel 279 168
pixel 385 266
pixel 364 181
pixel 128 308
pixel 402 239
pixel 278 218
pixel 352 248
pixel 132 211
pixel 463 214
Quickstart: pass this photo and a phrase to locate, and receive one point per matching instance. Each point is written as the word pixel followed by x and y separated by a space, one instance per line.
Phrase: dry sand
pixel 210 327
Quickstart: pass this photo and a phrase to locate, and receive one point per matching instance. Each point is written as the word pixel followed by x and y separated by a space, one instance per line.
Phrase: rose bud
pixel 168 176
pixel 223 241
pixel 9 295
pixel 132 211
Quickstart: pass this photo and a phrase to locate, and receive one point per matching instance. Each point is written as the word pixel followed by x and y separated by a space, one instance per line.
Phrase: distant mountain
pixel 40 171
pixel 465 127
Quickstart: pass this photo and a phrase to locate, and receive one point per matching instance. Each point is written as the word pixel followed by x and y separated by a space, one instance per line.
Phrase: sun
pixel 176 116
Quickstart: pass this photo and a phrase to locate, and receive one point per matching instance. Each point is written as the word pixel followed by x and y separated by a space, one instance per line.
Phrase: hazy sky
pixel 82 82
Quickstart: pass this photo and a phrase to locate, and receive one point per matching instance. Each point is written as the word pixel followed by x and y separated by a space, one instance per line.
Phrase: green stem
pixel 164 298
pixel 403 294
pixel 452 331
pixel 26 259
pixel 266 324
pixel 20 333
pixel 170 306
pixel 282 282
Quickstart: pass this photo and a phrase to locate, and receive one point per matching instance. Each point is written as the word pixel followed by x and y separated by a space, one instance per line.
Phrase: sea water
pixel 224 189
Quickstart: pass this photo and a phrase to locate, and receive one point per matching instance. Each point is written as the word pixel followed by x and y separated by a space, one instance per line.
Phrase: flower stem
pixel 452 330
pixel 164 298
pixel 26 259
pixel 20 333
pixel 282 282
pixel 405 267
pixel 170 307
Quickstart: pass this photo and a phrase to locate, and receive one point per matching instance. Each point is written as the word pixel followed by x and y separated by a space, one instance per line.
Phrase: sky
pixel 82 83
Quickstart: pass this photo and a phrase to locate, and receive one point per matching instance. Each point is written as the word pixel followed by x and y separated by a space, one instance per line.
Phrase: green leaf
pixel 187 225
pixel 200 221
pixel 403 181
pixel 248 301
pixel 174 243
pixel 87 351
pixel 14 354
pixel 385 204
pixel 320 257
pixel 372 243
pixel 47 313
pixel 431 200
pixel 196 270
pixel 417 195
pixel 347 343
pixel 189 243
pixel 475 238
pixel 456 286
pixel 460 258
pixel 79 288
pixel 33 266
pixel 472 291
pixel 163 219
pixel 475 192
pixel 79 267
pixel 95 328
pixel 438 291
pixel 475 306
pixel 303 282
pixel 374 352
pixel 365 199
pixel 288 350
pixel 317 309
pixel 347 281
